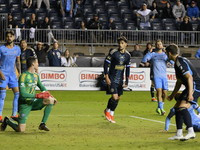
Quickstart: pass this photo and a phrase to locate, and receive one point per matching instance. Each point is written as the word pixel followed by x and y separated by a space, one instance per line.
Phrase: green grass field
pixel 77 122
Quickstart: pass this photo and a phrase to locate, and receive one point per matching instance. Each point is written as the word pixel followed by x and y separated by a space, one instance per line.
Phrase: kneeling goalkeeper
pixel 29 101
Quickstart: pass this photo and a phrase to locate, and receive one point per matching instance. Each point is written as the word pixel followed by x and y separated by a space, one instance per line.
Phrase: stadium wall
pixel 84 78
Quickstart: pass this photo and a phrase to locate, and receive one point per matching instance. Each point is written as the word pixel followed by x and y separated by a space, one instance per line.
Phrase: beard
pixel 9 42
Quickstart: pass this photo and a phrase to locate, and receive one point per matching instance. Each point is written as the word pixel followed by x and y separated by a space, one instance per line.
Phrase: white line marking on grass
pixel 151 120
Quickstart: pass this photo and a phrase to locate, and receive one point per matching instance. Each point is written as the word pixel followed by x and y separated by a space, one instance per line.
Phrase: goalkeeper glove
pixel 43 95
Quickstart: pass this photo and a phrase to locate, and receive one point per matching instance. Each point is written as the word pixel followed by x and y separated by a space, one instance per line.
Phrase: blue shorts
pixel 184 96
pixel 196 127
pixel 114 89
pixel 11 81
pixel 161 83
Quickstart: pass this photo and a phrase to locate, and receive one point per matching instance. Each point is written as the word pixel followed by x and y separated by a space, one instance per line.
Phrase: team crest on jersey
pixel 111 90
pixel 23 115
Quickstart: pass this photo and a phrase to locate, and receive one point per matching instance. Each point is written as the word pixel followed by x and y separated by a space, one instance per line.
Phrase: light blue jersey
pixel 8 58
pixel 159 61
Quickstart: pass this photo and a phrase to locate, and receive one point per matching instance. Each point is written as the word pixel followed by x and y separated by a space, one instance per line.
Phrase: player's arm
pixel 127 71
pixel 189 78
pixel 176 89
pixel 146 58
pixel 2 76
pixel 18 65
pixel 107 62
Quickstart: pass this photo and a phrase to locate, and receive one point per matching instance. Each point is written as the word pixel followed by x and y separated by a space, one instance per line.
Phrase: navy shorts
pixel 114 89
pixel 184 96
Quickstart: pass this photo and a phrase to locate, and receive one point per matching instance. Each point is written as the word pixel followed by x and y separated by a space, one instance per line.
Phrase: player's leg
pixel 153 99
pixel 158 86
pixel 196 95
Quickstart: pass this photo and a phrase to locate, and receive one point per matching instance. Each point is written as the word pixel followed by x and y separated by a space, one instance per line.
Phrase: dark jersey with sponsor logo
pixel 184 66
pixel 117 61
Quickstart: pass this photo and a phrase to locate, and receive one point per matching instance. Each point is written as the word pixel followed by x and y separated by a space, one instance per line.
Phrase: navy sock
pixel 179 119
pixel 110 101
pixel 114 105
pixel 186 117
pixel 152 91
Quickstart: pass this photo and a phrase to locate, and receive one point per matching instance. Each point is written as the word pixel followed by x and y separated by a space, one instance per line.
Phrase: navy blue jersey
pixel 24 56
pixel 117 61
pixel 184 66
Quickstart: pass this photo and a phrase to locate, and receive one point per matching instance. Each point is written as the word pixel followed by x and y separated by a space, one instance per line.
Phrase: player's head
pixel 159 44
pixel 122 42
pixel 32 62
pixel 10 36
pixel 23 44
pixel 172 50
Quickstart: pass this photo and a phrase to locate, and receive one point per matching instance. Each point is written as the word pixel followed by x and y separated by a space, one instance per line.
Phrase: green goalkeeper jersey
pixel 27 84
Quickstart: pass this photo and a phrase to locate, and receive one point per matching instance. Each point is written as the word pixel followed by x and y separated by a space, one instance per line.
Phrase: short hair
pixel 29 61
pixel 122 38
pixel 173 49
pixel 22 41
pixel 10 32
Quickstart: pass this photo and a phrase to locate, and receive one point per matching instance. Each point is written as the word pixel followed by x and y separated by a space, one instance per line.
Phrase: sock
pixel 196 106
pixel 152 91
pixel 179 119
pixel 110 101
pixel 179 132
pixel 190 130
pixel 15 104
pixel 114 105
pixel 47 111
pixel 12 125
pixel 2 97
pixel 160 105
pixel 107 109
pixel 111 113
pixel 186 116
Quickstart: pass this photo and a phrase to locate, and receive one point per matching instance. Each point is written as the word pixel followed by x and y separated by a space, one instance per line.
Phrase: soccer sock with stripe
pixel 152 91
pixel 2 97
pixel 12 125
pixel 15 104
pixel 47 112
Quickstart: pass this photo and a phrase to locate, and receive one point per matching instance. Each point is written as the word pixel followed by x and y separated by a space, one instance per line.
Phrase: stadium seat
pixel 99 54
pixel 97 61
pixel 188 55
pixel 122 3
pixel 112 10
pixel 158 34
pixel 28 10
pixel 100 6
pixel 4 2
pixel 15 10
pixel 4 10
pixel 17 16
pixel 10 2
pixel 168 20
pixel 99 10
pixel 79 53
pixel 194 26
pixel 88 11
pixel 95 2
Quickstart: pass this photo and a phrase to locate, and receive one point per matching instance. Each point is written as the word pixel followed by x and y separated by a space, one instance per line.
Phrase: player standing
pixel 9 54
pixel 187 75
pixel 159 65
pixel 28 100
pixel 117 59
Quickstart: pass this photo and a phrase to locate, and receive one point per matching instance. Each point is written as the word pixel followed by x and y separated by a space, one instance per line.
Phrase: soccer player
pixel 187 75
pixel 28 100
pixel 117 59
pixel 159 64
pixel 10 56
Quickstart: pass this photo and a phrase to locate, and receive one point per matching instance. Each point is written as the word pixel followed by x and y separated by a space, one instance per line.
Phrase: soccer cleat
pixel 163 112
pixel 4 124
pixel 1 119
pixel 111 119
pixel 43 127
pixel 107 115
pixel 188 136
pixel 175 137
pixel 153 100
pixel 15 118
pixel 158 110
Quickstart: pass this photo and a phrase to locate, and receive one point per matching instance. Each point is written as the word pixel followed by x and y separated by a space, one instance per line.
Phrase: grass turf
pixel 77 122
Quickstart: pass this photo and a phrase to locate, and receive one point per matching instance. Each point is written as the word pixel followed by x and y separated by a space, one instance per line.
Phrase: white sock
pixel 107 109
pixel 111 113
pixel 179 132
pixel 190 130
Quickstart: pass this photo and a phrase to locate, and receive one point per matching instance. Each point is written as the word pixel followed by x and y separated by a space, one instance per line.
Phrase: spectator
pixel 179 11
pixel 161 4
pixel 47 3
pixel 11 22
pixel 95 24
pixel 78 8
pixel 41 50
pixel 32 24
pixel 197 55
pixel 144 15
pixel 27 3
pixel 67 60
pixel 155 10
pixel 149 48
pixel 137 4
pixel 111 26
pixel 193 11
pixel 54 55
pixel 186 26
pixel 25 53
pixel 82 35
pixel 22 26
pixel 136 52
pixel 167 11
pixel 66 7
pixel 46 25
pixel 149 3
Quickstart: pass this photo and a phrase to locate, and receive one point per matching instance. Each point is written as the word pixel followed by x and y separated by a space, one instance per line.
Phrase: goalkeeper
pixel 29 101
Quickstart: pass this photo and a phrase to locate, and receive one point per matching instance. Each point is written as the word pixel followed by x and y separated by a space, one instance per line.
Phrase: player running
pixel 187 75
pixel 29 101
pixel 9 55
pixel 159 60
pixel 117 59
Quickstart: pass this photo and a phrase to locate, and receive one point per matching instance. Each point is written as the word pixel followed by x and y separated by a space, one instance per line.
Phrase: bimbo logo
pixel 53 76
pixel 137 77
pixel 171 77
pixel 88 76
